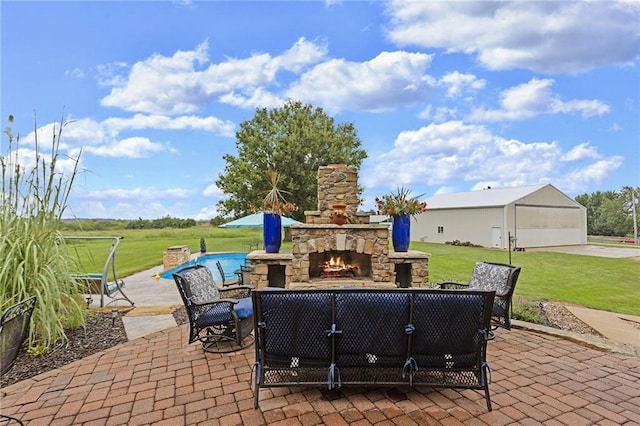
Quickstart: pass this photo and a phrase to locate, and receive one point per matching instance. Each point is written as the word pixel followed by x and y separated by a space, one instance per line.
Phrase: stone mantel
pixel 407 255
pixel 338 227
pixel 275 257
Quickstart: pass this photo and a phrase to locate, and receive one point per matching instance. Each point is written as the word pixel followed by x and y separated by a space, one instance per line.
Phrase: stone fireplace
pixel 325 254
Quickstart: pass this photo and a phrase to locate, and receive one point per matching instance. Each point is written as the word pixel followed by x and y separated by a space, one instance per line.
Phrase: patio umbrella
pixel 255 221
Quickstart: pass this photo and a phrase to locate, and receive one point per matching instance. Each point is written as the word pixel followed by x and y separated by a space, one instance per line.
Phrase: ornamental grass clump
pixel 274 201
pixel 399 203
pixel 33 199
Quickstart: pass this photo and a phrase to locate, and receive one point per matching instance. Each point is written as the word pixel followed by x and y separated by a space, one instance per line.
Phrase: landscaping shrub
pixel 529 311
pixel 33 199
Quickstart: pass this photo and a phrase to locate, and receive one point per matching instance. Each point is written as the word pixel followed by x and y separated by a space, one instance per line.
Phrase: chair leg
pixel 220 346
pixel 7 420
pixel 224 339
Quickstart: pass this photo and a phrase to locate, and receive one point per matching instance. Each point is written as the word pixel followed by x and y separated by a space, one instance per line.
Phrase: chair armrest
pixel 451 284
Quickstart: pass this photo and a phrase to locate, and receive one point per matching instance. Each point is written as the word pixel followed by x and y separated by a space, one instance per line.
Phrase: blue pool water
pixel 229 261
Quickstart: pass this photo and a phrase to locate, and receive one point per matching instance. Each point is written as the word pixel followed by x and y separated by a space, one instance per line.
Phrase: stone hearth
pixel 363 245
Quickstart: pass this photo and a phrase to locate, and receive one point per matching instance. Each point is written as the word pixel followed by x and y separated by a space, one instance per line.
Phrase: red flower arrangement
pixel 399 203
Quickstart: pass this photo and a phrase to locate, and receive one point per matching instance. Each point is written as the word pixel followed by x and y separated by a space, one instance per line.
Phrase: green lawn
pixel 593 282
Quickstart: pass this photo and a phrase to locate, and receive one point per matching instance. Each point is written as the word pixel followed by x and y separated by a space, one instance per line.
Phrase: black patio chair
pixel 228 280
pixel 14 326
pixel 498 277
pixel 221 319
pixel 245 274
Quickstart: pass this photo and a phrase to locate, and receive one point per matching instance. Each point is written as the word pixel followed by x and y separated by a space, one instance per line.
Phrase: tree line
pixel 163 222
pixel 610 213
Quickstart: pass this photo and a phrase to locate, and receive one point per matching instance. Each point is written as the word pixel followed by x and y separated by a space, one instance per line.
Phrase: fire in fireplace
pixel 336 268
pixel 339 264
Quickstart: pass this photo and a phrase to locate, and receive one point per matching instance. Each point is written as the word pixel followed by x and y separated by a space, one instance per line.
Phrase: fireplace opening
pixel 339 265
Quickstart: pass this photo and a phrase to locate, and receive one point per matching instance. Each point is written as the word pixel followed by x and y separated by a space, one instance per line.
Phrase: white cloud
pixel 583 151
pixel 111 74
pixel 534 98
pixel 141 194
pixel 458 83
pixel 132 203
pixel 300 55
pixel 184 122
pixel 136 147
pixel 75 72
pixel 259 97
pixel 186 81
pixel 102 138
pixel 445 190
pixel 544 36
pixel 207 213
pixel 580 177
pixel 25 158
pixel 138 209
pixel 440 114
pixel 439 154
pixel 212 191
pixel 382 83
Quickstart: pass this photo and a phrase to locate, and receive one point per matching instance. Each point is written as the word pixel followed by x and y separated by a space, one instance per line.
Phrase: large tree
pixel 293 140
pixel 610 213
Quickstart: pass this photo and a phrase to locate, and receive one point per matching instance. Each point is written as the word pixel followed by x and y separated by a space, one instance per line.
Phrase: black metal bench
pixel 379 337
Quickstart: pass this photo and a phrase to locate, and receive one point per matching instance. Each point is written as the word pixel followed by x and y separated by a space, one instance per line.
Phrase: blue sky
pixel 446 96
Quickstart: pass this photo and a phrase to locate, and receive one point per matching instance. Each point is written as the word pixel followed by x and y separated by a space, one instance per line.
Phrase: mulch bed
pixel 100 333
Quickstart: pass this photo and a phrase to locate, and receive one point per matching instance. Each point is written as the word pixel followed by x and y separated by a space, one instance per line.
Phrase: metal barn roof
pixel 494 197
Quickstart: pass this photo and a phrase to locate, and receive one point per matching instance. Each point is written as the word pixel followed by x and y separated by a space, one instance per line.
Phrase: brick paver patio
pixel 160 380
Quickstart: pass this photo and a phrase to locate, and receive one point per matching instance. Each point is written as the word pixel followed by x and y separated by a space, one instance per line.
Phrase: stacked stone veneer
pixel 337 184
pixel 175 256
pixel 372 240
pixel 261 262
pixel 418 262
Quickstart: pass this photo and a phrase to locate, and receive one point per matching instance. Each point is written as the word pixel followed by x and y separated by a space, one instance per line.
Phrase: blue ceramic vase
pixel 400 231
pixel 272 232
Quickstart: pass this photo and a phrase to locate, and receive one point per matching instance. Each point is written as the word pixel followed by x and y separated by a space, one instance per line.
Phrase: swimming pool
pixel 229 261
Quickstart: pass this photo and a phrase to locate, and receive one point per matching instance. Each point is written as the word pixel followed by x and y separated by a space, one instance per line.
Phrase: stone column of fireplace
pixel 337 184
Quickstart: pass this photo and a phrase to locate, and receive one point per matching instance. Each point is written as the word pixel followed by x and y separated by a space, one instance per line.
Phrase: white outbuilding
pixel 533 216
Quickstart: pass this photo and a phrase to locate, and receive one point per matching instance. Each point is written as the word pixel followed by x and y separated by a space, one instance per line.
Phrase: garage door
pixel 544 226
